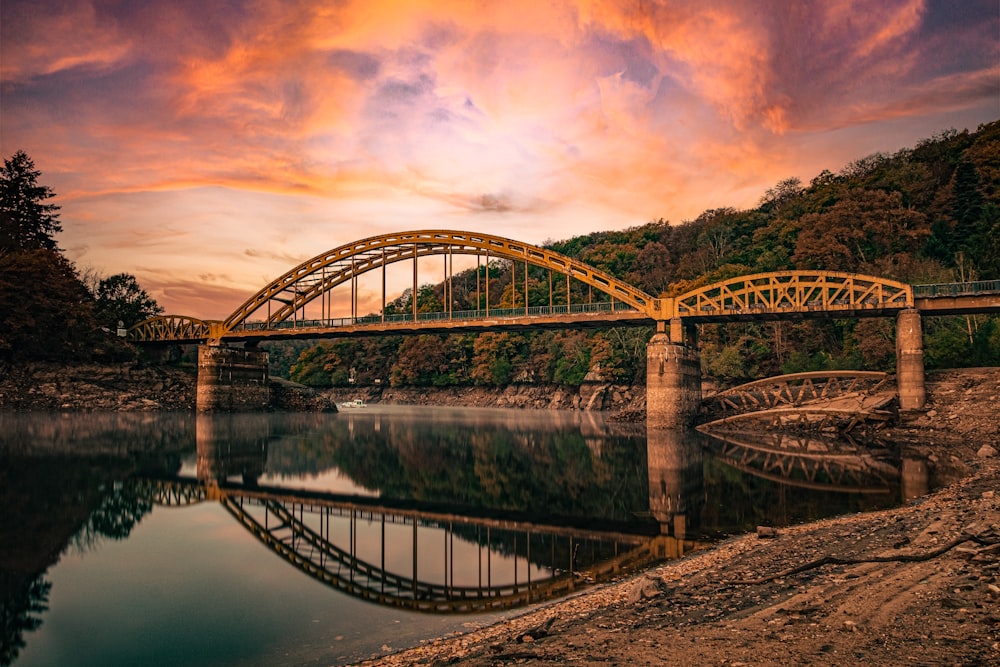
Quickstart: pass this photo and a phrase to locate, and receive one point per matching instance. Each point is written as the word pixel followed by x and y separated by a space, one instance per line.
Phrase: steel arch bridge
pixel 278 310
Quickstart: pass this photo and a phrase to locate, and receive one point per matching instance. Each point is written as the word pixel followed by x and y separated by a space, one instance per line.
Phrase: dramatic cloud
pixel 231 140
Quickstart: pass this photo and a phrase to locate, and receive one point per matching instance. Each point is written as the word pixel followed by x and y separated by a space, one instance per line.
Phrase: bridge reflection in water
pixel 444 557
pixel 427 557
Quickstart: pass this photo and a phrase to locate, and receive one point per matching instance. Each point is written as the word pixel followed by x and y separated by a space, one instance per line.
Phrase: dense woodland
pixel 927 214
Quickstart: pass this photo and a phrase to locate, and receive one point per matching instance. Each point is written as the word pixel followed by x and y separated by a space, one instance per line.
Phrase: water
pixel 175 539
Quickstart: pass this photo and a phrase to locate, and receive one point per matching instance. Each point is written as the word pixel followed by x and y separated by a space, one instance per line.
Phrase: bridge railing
pixel 957 289
pixel 481 314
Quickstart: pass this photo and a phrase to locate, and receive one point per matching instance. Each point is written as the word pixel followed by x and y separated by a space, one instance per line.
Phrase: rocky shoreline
pixel 127 387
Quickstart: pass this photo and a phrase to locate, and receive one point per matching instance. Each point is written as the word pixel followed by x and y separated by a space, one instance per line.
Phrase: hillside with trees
pixel 927 214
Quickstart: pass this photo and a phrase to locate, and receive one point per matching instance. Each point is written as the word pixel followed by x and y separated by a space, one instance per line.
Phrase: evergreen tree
pixel 26 222
pixel 968 202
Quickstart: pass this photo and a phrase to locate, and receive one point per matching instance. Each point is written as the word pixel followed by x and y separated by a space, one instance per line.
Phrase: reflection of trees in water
pixel 118 511
pixel 494 466
pixel 54 502
pixel 22 599
pixel 113 434
pixel 737 501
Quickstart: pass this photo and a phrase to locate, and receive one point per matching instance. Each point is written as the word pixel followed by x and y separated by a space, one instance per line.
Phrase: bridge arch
pixel 172 328
pixel 291 291
pixel 780 293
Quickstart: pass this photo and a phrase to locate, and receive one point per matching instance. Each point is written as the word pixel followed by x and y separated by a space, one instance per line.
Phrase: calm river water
pixel 176 539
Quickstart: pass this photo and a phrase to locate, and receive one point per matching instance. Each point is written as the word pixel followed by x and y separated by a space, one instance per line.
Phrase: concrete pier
pixel 673 383
pixel 910 360
pixel 231 379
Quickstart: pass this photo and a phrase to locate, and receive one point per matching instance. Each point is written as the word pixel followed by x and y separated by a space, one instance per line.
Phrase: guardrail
pixel 482 314
pixel 956 289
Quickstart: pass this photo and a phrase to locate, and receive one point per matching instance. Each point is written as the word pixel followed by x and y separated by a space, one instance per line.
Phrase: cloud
pixel 238 140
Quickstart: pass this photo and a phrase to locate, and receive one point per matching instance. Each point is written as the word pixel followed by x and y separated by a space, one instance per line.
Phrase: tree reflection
pixel 56 502
pixel 23 598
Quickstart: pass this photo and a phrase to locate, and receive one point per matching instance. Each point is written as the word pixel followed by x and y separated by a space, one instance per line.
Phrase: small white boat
pixel 356 403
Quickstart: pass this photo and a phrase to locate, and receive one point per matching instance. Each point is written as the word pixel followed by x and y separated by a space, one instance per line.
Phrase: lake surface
pixel 302 539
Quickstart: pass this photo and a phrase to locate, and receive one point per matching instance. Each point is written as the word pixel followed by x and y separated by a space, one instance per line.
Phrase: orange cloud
pixel 222 141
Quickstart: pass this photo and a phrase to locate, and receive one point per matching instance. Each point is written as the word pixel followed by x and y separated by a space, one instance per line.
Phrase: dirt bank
pixel 919 584
pixel 121 387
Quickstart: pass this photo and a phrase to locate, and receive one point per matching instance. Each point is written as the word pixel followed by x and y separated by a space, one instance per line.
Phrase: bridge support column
pixel 673 383
pixel 231 379
pixel 910 360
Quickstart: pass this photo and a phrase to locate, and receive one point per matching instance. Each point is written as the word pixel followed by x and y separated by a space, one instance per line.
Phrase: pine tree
pixel 968 203
pixel 26 222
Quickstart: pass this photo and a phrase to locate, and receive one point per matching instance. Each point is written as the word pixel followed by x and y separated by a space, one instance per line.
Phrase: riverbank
pixel 127 387
pixel 919 584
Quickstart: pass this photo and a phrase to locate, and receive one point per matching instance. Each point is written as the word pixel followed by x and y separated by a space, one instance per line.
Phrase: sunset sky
pixel 208 146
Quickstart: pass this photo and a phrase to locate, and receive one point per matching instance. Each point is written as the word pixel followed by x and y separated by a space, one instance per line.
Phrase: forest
pixel 924 215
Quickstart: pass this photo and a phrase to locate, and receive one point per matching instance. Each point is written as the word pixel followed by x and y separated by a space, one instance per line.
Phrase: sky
pixel 207 147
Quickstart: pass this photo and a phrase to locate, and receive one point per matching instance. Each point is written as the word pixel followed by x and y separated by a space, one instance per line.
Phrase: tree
pixel 45 311
pixel 120 299
pixel 26 222
pixel 860 229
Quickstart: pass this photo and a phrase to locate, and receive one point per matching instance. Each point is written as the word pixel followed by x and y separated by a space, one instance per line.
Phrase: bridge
pixel 300 304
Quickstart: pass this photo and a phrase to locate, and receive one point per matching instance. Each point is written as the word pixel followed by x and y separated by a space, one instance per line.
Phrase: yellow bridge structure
pixel 299 304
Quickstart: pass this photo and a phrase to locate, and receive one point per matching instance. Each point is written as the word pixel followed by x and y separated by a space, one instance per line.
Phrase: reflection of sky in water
pixel 190 586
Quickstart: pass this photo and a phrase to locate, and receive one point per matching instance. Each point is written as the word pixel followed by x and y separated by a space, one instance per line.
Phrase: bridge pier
pixel 231 379
pixel 673 377
pixel 910 360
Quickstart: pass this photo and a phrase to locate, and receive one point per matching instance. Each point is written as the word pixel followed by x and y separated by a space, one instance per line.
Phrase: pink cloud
pixel 235 143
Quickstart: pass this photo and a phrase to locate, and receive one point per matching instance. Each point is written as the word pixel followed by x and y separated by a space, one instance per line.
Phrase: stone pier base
pixel 673 383
pixel 910 361
pixel 231 379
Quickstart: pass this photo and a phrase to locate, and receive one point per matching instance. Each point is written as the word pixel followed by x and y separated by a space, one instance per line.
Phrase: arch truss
pixel 777 294
pixel 288 294
pixel 167 328
pixel 795 390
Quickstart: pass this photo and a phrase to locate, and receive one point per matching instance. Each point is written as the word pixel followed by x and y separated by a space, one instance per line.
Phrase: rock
pixel 986 452
pixel 932 413
pixel 643 589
